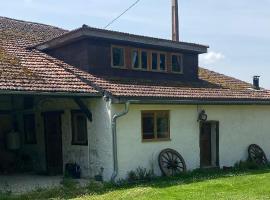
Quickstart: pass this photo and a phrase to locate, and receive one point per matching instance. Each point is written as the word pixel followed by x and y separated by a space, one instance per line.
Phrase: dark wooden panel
pixel 53 140
pixel 94 55
pixel 205 145
pixel 75 54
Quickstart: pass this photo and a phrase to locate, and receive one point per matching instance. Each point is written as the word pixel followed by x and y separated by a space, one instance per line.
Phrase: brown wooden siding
pixel 94 55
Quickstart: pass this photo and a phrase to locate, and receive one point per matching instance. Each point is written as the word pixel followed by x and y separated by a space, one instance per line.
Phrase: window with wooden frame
pixel 155 125
pixel 29 129
pixel 118 56
pixel 79 128
pixel 139 59
pixel 158 61
pixel 177 63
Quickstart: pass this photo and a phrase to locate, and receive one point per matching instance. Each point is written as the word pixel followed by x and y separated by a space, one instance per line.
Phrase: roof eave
pixel 121 37
pixel 55 94
pixel 142 100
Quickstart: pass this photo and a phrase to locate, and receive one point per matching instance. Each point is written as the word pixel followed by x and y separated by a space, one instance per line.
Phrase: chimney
pixel 175 21
pixel 256 82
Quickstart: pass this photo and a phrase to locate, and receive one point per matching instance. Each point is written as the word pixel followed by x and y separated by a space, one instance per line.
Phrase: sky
pixel 237 31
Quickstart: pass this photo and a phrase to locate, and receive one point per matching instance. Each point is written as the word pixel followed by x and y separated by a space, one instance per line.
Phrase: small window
pixel 155 125
pixel 135 59
pixel 177 63
pixel 154 64
pixel 144 59
pixel 30 129
pixel 79 128
pixel 162 62
pixel 118 55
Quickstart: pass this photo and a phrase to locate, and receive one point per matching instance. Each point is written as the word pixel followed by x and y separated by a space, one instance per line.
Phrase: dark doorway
pixel 209 144
pixel 53 142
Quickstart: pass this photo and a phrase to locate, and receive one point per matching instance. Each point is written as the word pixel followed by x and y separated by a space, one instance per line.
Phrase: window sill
pixel 156 140
pixel 79 144
pixel 119 67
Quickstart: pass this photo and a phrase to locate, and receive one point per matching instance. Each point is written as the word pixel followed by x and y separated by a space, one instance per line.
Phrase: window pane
pixel 81 129
pixel 162 63
pixel 162 125
pixel 144 60
pixel 135 59
pixel 118 57
pixel 176 63
pixel 148 125
pixel 154 61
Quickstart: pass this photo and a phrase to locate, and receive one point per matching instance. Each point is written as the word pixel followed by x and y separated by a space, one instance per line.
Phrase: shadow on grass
pixel 70 190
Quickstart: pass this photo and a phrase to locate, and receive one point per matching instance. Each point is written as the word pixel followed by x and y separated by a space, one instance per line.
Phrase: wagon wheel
pixel 171 162
pixel 257 155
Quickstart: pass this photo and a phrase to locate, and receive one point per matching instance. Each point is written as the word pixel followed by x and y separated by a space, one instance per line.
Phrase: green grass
pixel 250 185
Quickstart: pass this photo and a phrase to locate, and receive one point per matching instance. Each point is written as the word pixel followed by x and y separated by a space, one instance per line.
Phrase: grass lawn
pixel 214 185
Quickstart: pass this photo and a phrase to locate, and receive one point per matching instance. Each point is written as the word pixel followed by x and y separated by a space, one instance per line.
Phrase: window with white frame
pixel 158 61
pixel 177 63
pixel 118 56
pixel 139 59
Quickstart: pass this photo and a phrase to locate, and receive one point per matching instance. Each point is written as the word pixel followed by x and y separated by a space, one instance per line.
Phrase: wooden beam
pixel 84 108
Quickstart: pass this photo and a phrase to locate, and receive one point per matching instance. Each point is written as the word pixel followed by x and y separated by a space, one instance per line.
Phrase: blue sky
pixel 237 31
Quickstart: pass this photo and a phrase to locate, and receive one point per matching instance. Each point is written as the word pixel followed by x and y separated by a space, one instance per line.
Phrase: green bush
pixel 247 165
pixel 140 174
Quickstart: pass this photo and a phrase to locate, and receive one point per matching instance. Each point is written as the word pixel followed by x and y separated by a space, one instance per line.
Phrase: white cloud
pixel 211 57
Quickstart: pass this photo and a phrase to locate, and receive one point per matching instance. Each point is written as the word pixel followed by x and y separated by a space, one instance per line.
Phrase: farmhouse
pixel 111 102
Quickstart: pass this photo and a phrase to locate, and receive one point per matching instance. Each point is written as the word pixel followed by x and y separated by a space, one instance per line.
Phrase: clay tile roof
pixel 210 86
pixel 22 69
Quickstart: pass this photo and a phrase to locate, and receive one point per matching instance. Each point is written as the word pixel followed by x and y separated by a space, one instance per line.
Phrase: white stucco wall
pixel 239 127
pixel 101 139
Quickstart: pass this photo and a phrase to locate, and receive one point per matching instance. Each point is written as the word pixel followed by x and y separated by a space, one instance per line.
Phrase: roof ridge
pixel 31 22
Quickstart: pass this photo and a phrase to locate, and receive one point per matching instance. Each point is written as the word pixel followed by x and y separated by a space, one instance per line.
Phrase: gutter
pixel 114 136
pixel 53 94
pixel 196 102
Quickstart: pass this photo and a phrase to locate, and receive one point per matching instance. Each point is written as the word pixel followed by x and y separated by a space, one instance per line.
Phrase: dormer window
pixel 118 57
pixel 139 59
pixel 177 63
pixel 162 62
pixel 158 61
pixel 135 59
pixel 154 63
pixel 127 57
pixel 144 59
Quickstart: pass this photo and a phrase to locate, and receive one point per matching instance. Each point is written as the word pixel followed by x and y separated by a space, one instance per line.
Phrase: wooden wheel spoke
pixel 167 159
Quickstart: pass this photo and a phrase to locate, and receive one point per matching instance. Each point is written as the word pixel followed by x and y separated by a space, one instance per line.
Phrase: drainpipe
pixel 114 137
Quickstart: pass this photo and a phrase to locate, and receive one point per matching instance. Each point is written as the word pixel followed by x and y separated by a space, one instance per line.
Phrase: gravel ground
pixel 18 184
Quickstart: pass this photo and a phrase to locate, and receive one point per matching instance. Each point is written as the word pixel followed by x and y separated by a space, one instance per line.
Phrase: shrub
pixel 246 165
pixel 140 174
pixel 132 176
pixel 69 183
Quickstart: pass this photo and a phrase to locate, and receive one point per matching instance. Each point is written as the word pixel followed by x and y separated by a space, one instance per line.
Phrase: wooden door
pixel 205 145
pixel 53 142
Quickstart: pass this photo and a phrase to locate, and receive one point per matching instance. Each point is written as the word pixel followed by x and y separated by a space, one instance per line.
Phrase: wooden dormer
pixel 116 54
